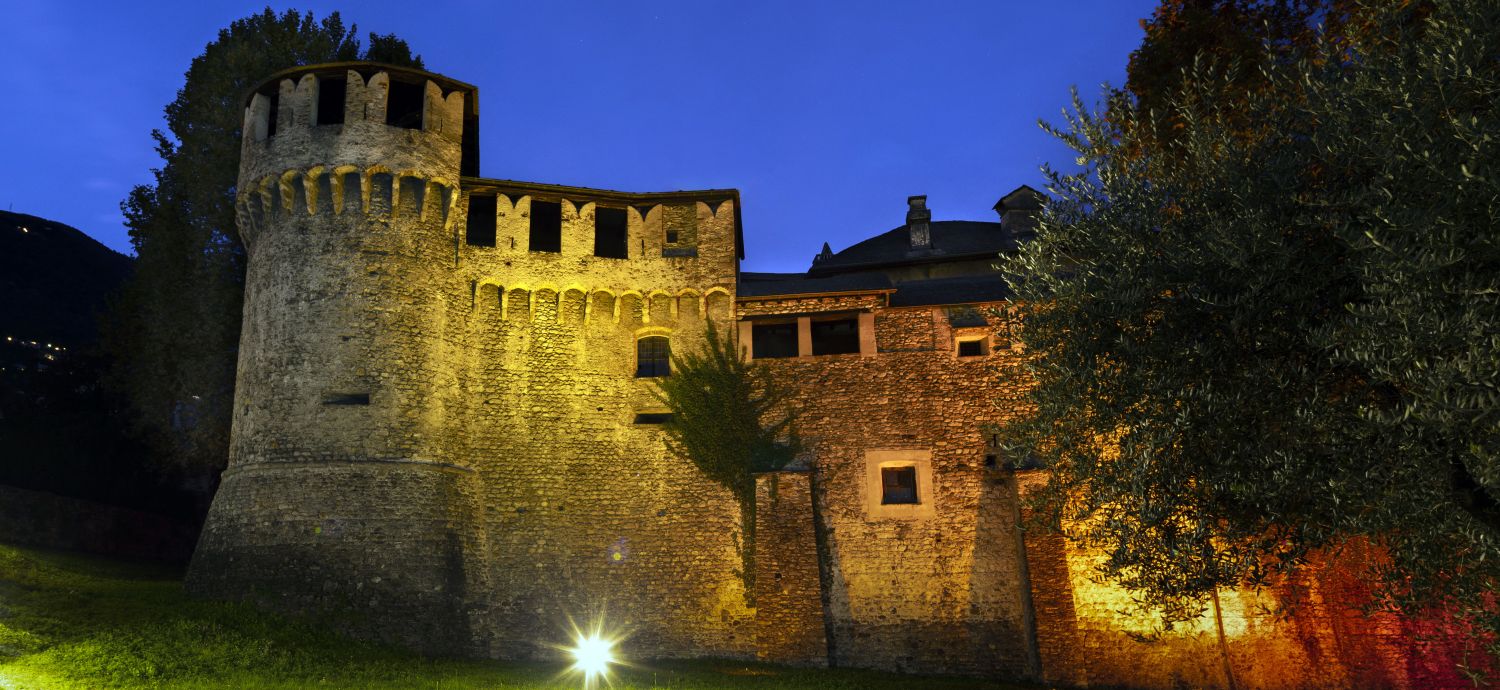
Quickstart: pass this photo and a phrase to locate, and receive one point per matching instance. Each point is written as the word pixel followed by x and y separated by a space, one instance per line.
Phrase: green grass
pixel 69 621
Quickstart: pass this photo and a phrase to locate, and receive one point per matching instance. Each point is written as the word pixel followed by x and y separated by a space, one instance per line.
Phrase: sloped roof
pixel 970 289
pixel 950 239
pixel 773 284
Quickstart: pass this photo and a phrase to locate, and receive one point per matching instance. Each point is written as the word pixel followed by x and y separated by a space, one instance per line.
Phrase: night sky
pixel 823 118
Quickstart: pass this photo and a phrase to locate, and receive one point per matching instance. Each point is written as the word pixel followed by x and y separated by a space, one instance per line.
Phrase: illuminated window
pixel 773 340
pixel 898 485
pixel 653 357
pixel 546 226
pixel 836 337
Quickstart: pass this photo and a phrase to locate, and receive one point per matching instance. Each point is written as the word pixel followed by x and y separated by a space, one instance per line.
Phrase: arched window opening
pixel 653 357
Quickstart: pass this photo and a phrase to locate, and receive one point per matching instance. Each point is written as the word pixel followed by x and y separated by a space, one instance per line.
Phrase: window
pixel 835 337
pixel 653 357
pixel 971 348
pixel 609 233
pixel 403 107
pixel 653 417
pixel 480 230
pixel 346 399
pixel 898 485
pixel 671 237
pixel 773 340
pixel 273 105
pixel 546 226
pixel 331 100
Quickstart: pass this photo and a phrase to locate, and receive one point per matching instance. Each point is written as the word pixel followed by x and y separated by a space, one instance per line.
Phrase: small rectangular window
pixel 653 417
pixel 971 348
pixel 835 337
pixel 546 226
pixel 480 225
pixel 346 399
pixel 898 485
pixel 331 100
pixel 671 237
pixel 610 233
pixel 773 340
pixel 403 107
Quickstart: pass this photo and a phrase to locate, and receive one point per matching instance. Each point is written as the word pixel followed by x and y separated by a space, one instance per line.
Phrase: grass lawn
pixel 70 621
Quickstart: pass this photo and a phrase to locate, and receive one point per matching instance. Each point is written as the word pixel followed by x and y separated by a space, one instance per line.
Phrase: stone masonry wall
pixel 586 513
pixel 38 518
pixel 343 495
pixel 789 621
pixel 939 590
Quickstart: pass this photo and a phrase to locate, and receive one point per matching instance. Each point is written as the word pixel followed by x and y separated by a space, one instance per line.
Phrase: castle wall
pixel 342 495
pixel 586 513
pixel 938 587
pixel 790 627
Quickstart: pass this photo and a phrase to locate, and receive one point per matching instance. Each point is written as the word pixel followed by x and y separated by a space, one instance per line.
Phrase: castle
pixel 445 432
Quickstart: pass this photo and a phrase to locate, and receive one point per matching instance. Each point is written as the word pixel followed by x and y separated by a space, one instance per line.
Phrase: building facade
pixel 446 434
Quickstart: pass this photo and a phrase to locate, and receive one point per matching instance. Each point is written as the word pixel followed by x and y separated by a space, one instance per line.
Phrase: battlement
pixel 360 113
pixel 375 190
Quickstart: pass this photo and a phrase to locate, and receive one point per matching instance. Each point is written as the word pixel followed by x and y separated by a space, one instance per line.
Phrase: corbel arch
pixel 717 289
pixel 336 185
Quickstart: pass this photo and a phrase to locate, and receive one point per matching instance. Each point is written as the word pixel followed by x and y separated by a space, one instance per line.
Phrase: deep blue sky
pixel 824 118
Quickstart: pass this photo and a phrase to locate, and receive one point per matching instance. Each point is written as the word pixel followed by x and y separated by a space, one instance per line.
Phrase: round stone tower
pixel 342 492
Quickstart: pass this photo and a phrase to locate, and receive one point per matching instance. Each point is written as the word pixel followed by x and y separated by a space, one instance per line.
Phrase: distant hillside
pixel 54 280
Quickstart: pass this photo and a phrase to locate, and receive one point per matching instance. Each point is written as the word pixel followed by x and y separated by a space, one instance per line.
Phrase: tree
pixel 175 332
pixel 1277 344
pixel 729 419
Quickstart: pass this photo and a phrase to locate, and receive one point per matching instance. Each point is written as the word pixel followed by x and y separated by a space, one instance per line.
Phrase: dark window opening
pixel 671 237
pixel 970 348
pixel 991 460
pixel 546 226
pixel 835 337
pixel 331 101
pixel 653 417
pixel 610 233
pixel 403 108
pixel 898 485
pixel 653 357
pixel 773 340
pixel 347 399
pixel 275 105
pixel 480 227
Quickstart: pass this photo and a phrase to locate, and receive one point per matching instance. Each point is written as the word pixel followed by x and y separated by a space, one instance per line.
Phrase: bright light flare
pixel 592 656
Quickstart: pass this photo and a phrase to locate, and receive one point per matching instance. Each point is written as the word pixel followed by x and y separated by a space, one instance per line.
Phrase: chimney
pixel 917 217
pixel 1018 211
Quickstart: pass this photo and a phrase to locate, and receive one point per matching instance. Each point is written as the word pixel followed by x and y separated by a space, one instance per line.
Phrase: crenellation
pixel 286 109
pixel 305 102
